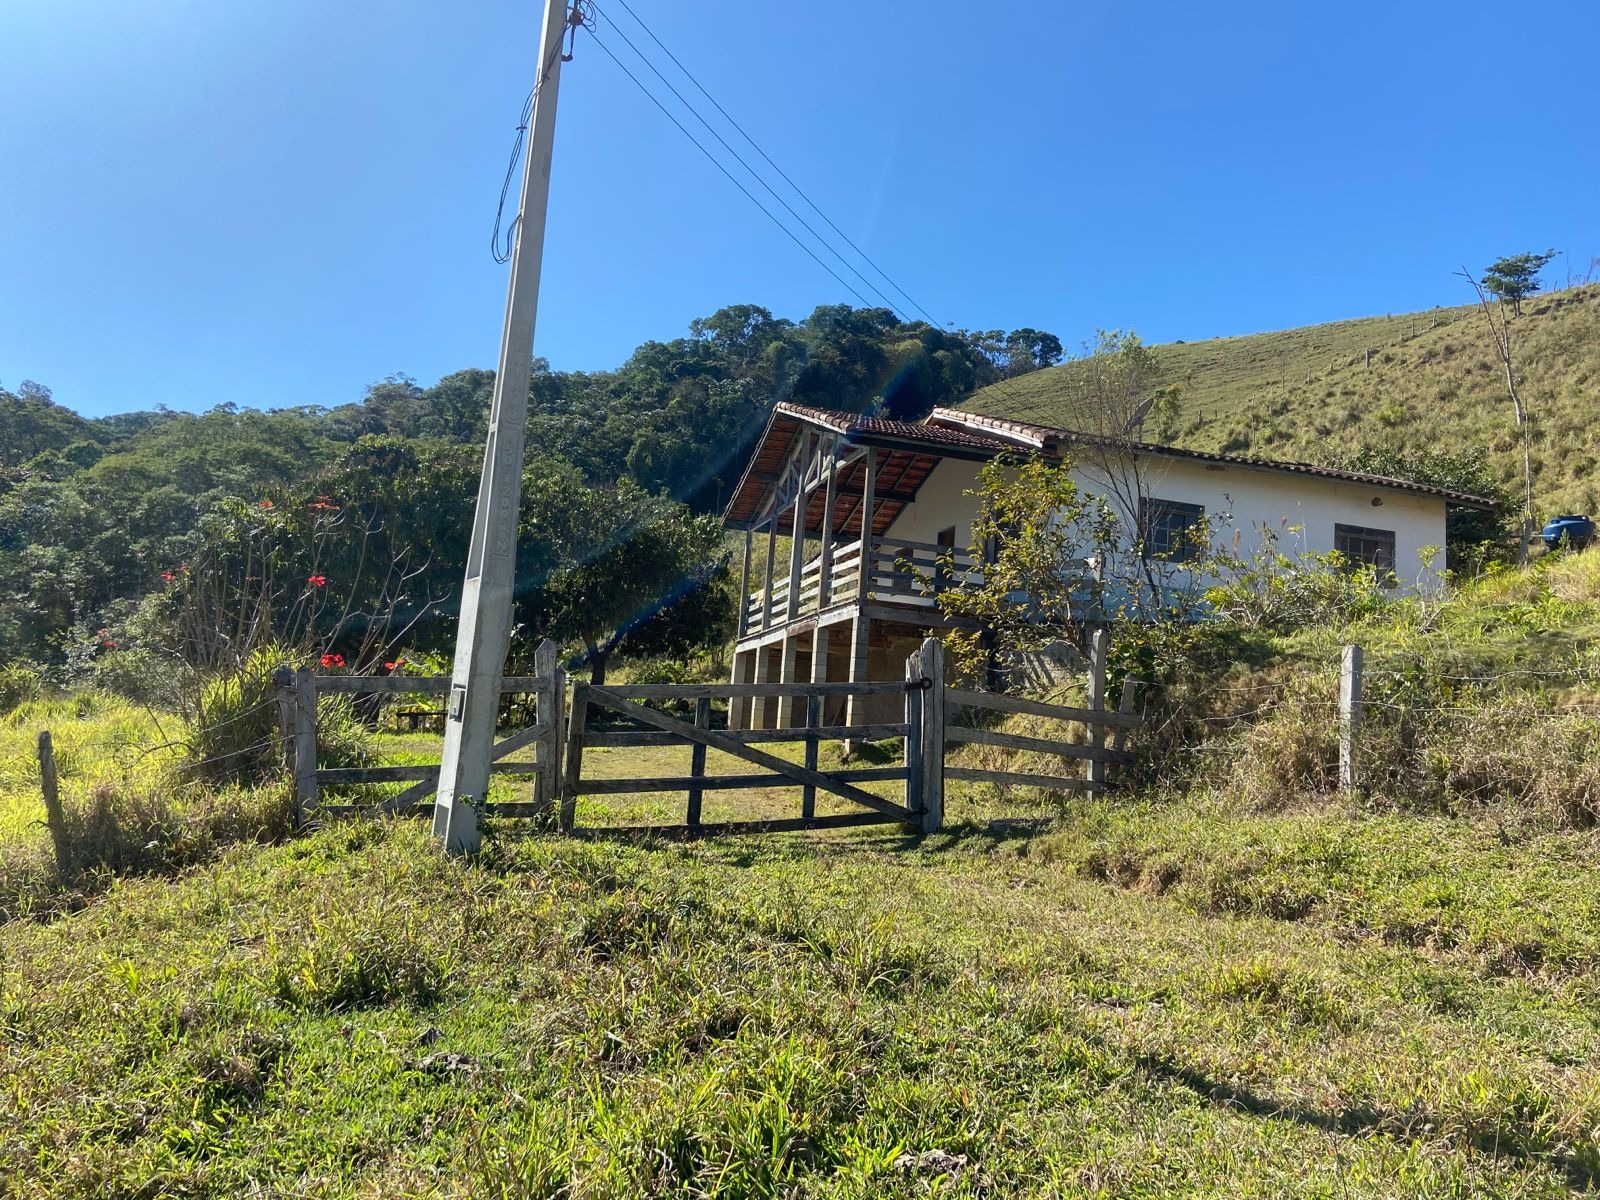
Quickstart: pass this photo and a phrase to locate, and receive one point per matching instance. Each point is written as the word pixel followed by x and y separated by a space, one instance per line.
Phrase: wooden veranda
pixel 852 599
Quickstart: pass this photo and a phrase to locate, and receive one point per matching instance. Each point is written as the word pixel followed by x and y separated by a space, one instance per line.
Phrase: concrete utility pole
pixel 485 631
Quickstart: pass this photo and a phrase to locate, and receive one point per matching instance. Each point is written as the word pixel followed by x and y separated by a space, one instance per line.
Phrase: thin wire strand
pixel 740 159
pixel 749 195
pixel 782 174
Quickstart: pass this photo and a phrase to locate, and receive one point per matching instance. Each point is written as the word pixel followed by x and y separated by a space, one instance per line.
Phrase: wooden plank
pixel 729 828
pixel 426 685
pixel 1015 741
pixel 518 740
pixel 825 733
pixel 720 741
pixel 552 696
pixel 412 796
pixel 933 736
pixel 1099 651
pixel 1018 779
pixel 343 776
pixel 1130 691
pixel 693 691
pixel 1037 708
pixel 913 740
pixel 725 783
pixel 697 759
pixel 305 743
pixel 576 720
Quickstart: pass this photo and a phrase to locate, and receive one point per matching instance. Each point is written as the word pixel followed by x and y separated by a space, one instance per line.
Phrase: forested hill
pixel 1433 384
pixel 94 514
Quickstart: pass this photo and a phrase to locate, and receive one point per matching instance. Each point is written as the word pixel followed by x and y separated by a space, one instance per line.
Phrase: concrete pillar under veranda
pixel 787 706
pixel 743 672
pixel 859 707
pixel 760 707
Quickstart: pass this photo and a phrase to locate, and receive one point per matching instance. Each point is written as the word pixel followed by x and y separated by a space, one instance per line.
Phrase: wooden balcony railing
pixel 900 572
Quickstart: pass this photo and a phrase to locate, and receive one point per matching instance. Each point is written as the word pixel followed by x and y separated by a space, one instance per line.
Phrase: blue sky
pixel 204 201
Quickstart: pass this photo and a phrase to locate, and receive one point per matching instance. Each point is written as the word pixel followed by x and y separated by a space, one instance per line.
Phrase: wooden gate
pixel 651 727
pixel 297 714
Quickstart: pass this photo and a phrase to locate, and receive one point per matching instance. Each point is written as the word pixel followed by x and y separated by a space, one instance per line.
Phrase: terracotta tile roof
pixel 1050 440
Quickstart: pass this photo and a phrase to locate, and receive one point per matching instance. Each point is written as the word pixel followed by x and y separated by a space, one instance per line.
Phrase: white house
pixel 821 478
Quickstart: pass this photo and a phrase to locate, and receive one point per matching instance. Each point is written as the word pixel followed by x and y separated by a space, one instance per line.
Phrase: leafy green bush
pixel 18 685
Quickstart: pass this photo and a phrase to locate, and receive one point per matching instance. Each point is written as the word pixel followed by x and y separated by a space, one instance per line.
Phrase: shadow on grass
pixel 1510 1138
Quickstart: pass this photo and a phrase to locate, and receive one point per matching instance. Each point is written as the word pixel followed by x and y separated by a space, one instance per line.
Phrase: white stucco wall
pixel 1254 498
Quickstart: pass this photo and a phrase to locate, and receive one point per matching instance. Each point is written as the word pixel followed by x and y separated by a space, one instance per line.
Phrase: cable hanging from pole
pixel 577 19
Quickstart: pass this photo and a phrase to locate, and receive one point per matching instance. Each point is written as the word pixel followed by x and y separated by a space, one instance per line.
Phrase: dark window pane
pixel 1361 545
pixel 1167 529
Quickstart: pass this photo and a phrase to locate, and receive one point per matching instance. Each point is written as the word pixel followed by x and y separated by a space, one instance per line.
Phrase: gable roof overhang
pixel 1055 442
pixel 905 453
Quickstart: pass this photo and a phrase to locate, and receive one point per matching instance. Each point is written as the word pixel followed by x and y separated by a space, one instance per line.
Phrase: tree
pixel 1512 280
pixel 622 559
pixel 1500 335
pixel 1041 527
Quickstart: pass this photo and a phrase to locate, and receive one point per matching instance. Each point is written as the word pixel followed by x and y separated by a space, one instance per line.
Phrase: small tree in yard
pixel 1512 280
pixel 1041 527
pixel 632 570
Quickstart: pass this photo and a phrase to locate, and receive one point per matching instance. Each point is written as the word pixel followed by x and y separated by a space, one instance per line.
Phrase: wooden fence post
pixel 932 735
pixel 305 743
pixel 808 794
pixel 552 691
pixel 913 742
pixel 55 820
pixel 1099 645
pixel 1130 690
pixel 283 682
pixel 573 766
pixel 697 761
pixel 1349 714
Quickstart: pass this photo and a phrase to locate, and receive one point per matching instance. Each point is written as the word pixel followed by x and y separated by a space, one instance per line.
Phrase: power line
pixel 731 177
pixel 1000 385
pixel 754 174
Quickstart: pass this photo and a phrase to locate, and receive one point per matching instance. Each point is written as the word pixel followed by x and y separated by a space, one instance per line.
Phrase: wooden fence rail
pixel 561 733
pixel 298 693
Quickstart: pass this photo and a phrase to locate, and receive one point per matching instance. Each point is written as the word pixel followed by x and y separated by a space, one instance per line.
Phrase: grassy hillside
pixel 1434 383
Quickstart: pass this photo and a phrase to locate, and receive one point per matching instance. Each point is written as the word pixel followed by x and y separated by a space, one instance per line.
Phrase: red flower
pixel 317 580
pixel 397 663
pixel 167 577
pixel 265 504
pixel 333 660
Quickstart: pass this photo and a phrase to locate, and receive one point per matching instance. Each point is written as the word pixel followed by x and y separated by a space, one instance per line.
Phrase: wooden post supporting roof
pixel 744 587
pixel 825 567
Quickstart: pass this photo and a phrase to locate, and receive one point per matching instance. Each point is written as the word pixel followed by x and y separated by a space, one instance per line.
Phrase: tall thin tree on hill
pixel 1500 336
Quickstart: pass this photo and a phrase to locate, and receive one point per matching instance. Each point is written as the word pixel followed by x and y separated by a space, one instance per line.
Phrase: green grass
pixel 1434 383
pixel 1140 1000
pixel 1214 987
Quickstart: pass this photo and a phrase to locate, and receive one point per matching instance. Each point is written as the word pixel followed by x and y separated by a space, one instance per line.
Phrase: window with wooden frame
pixel 1168 529
pixel 1363 546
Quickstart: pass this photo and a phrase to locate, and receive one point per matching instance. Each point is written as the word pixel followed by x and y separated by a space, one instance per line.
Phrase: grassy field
pixel 1433 383
pixel 1239 982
